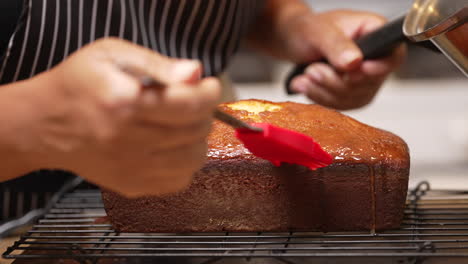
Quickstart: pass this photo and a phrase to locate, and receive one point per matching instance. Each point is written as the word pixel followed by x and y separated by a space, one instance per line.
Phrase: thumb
pixel 174 71
pixel 177 72
pixel 158 66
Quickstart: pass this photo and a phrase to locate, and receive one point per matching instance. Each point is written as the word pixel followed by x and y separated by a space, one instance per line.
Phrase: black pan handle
pixel 377 44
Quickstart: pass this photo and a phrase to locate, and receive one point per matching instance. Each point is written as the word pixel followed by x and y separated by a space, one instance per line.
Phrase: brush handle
pixel 234 122
pixel 145 80
pixel 150 82
pixel 374 45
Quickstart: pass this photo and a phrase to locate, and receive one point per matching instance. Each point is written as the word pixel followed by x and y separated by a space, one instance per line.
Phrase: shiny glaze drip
pixel 373 199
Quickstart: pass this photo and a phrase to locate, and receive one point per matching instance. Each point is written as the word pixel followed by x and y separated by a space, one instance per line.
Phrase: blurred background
pixel 425 102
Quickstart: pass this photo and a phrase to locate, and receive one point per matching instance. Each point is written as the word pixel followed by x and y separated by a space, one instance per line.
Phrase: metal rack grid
pixel 435 226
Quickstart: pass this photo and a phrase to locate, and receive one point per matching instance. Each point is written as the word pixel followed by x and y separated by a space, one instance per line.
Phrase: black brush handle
pixel 377 44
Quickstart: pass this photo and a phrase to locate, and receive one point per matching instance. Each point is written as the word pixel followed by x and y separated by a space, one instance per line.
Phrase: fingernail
pixel 317 76
pixel 186 70
pixel 349 57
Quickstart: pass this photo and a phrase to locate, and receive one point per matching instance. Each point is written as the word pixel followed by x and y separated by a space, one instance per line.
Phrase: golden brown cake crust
pixel 364 189
pixel 347 140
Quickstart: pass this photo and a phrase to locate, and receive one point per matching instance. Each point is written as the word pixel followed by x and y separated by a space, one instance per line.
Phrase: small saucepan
pixel 435 24
pixel 444 23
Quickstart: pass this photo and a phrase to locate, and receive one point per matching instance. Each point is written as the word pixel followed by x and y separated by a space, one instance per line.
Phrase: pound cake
pixel 364 189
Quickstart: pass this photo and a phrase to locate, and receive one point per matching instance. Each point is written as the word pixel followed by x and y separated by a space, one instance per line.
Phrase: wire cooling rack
pixel 435 227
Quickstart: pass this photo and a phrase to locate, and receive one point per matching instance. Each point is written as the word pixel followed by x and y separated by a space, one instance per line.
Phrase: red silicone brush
pixel 266 141
pixel 278 145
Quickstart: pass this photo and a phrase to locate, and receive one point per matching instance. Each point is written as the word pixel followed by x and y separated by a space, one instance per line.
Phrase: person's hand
pixel 290 30
pixel 348 82
pixel 97 121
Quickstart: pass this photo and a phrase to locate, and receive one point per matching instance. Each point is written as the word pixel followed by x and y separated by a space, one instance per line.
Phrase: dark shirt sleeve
pixel 10 13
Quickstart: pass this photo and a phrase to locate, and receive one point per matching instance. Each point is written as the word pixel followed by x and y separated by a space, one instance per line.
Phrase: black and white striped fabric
pixel 207 30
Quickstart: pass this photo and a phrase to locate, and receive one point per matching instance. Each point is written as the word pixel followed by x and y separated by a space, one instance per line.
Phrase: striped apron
pixel 50 30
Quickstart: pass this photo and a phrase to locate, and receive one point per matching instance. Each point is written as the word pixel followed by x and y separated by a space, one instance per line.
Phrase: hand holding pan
pixel 442 22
